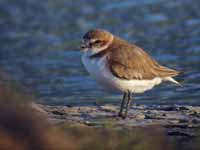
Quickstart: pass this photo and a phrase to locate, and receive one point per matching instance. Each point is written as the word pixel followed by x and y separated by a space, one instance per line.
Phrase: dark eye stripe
pixel 97 41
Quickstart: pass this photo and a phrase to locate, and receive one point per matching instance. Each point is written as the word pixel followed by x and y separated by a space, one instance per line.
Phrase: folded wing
pixel 134 63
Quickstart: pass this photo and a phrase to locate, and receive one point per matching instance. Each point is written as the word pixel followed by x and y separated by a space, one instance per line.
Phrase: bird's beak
pixel 84 46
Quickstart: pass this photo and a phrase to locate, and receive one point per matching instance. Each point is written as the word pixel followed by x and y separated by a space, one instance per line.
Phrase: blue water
pixel 39 43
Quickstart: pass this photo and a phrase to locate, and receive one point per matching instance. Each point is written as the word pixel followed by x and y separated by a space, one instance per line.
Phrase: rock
pixel 109 108
pixel 140 116
pixel 38 108
pixel 57 112
pixel 178 132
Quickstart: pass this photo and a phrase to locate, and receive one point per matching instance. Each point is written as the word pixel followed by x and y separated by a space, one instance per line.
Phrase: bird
pixel 121 66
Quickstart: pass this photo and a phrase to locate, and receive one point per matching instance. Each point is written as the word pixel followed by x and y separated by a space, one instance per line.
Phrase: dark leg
pixel 127 105
pixel 122 105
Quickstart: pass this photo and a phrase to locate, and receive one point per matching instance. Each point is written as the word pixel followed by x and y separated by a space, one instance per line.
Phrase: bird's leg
pixel 122 105
pixel 127 104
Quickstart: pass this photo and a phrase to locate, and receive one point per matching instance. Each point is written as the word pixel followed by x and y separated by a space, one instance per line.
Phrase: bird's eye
pixel 97 41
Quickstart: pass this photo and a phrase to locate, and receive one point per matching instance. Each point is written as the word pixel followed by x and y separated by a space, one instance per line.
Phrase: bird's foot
pixel 123 116
pixel 120 114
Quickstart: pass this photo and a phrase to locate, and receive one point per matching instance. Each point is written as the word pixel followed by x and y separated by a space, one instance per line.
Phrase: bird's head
pixel 96 40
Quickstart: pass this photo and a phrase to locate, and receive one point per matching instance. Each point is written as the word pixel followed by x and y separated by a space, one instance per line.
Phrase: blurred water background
pixel 39 43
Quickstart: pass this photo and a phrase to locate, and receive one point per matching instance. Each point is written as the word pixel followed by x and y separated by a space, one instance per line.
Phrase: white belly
pixel 100 72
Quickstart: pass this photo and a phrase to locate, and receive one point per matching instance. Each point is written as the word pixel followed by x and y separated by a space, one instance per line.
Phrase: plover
pixel 121 66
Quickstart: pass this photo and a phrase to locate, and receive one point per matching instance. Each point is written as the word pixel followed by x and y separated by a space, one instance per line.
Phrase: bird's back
pixel 131 62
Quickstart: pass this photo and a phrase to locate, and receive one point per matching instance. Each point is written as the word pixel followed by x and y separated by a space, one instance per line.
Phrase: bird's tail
pixel 173 81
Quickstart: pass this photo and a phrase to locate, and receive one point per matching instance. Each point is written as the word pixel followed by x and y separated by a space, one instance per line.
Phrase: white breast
pixel 96 68
pixel 100 72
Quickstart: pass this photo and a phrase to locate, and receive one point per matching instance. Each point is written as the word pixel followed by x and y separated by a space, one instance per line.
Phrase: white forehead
pixel 90 40
pixel 93 40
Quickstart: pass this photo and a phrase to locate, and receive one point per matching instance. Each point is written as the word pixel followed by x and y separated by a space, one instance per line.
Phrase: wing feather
pixel 131 62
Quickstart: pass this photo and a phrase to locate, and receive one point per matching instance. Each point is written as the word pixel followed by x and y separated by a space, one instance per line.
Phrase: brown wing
pixel 133 63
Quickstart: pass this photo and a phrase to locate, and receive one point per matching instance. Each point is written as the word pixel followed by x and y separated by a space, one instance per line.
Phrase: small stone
pixel 183 120
pixel 180 133
pixel 140 116
pixel 195 121
pixel 108 108
pixel 55 112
